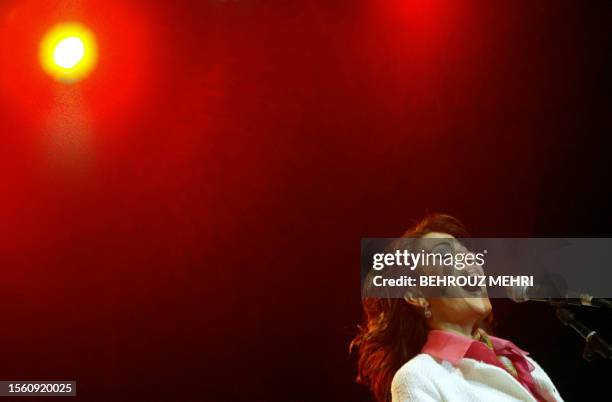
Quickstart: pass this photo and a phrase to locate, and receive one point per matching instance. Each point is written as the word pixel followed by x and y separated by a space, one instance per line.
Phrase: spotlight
pixel 68 52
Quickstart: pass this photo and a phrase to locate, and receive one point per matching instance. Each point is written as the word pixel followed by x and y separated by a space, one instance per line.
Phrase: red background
pixel 202 242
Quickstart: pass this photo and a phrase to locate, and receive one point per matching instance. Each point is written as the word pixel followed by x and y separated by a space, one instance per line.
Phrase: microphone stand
pixel 596 347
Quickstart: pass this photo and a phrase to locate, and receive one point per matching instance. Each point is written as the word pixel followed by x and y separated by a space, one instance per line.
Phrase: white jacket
pixel 426 379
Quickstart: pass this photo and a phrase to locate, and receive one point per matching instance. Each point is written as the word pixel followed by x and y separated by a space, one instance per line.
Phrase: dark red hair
pixel 394 331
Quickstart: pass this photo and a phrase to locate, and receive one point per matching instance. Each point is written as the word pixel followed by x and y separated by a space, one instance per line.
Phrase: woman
pixel 435 349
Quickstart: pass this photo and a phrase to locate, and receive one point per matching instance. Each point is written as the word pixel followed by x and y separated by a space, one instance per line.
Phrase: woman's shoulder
pixel 416 377
pixel 419 367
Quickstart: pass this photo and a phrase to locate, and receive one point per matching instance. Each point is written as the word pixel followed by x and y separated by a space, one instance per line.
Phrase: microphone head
pixel 517 294
pixel 546 286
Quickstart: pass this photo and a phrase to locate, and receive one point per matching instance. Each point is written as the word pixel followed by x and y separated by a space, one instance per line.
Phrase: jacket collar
pixel 452 347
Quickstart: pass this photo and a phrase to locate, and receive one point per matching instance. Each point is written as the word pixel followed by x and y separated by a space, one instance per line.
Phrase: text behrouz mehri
pixel 448 281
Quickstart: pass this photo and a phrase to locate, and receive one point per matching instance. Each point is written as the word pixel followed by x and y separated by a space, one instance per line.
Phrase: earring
pixel 427 313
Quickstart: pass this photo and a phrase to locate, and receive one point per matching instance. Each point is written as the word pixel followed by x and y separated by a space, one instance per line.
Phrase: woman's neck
pixel 467 330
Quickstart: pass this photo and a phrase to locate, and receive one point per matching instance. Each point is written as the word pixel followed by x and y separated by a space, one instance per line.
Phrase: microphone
pixel 552 288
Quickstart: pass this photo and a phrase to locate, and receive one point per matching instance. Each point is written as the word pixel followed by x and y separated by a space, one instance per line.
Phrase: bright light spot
pixel 68 52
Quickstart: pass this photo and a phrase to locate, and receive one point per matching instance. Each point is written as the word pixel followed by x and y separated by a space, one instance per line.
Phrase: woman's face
pixel 460 306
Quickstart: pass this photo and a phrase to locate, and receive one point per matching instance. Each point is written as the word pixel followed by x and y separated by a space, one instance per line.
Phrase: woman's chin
pixel 481 306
